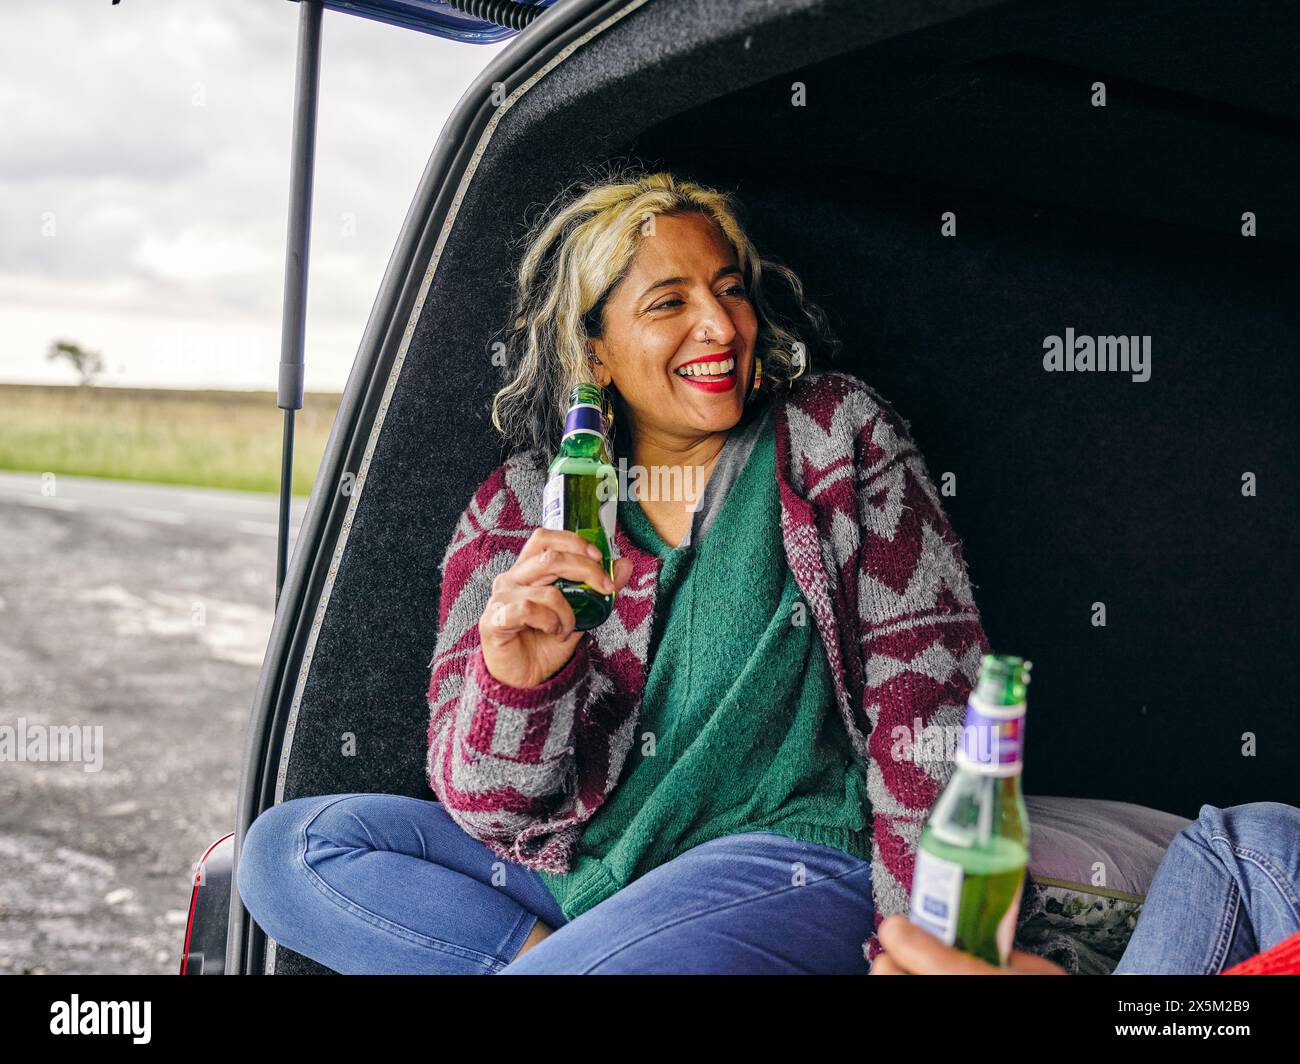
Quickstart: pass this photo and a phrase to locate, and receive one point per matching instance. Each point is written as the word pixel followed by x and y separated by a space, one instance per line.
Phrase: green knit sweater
pixel 738 729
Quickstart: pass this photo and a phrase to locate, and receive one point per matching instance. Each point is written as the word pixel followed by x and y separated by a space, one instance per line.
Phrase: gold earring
pixel 758 379
pixel 607 411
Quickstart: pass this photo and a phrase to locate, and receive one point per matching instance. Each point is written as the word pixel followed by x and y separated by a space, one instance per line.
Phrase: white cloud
pixel 145 180
pixel 204 254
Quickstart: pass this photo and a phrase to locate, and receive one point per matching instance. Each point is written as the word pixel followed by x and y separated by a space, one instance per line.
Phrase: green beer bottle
pixel 581 496
pixel 970 863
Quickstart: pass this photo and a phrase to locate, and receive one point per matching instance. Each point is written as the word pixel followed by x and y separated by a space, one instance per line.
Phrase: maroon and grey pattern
pixel 881 570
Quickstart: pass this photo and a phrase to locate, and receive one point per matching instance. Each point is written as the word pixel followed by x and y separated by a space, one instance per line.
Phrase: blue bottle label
pixel 992 738
pixel 553 503
pixel 936 895
pixel 583 417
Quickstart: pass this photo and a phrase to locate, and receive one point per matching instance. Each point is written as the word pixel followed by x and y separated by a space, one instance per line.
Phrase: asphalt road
pixel 138 613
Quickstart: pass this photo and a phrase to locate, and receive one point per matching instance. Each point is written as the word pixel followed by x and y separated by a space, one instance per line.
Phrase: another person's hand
pixel 911 950
pixel 526 630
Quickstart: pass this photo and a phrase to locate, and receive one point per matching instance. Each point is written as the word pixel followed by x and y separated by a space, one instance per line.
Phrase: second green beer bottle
pixel 970 864
pixel 582 497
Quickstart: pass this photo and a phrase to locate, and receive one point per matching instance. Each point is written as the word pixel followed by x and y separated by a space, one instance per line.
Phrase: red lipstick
pixel 723 382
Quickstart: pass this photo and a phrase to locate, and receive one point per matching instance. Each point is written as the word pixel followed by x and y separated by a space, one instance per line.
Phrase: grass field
pixel 211 439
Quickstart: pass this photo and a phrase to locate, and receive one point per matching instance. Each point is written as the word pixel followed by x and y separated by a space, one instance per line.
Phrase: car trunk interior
pixel 1072 488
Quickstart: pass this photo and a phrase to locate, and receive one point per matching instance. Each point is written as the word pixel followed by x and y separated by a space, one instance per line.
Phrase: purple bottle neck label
pixel 583 418
pixel 992 738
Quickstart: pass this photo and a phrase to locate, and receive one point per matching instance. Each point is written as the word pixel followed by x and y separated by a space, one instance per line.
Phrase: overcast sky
pixel 144 181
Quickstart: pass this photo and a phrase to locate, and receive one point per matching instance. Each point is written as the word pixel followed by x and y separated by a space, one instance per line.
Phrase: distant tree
pixel 88 364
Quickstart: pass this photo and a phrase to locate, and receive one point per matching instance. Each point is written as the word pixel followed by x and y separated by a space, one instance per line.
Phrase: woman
pixel 703 783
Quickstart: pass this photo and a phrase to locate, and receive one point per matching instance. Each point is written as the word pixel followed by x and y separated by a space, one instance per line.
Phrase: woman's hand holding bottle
pixel 527 628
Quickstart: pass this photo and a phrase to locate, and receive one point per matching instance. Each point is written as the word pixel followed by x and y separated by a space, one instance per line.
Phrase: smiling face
pixel 684 287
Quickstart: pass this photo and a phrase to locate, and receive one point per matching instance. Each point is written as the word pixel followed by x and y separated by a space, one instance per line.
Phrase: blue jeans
pixel 381 883
pixel 1228 888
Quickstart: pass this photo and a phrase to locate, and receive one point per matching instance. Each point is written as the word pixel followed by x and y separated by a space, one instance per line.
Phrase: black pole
pixel 294 320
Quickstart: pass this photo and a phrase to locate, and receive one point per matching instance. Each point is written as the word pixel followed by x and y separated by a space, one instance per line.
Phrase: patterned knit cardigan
pixel 879 567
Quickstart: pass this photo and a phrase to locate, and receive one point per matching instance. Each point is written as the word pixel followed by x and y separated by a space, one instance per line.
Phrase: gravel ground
pixel 153 629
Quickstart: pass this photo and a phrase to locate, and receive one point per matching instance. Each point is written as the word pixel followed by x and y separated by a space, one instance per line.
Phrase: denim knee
pixel 268 851
pixel 1260 826
pixel 341 818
